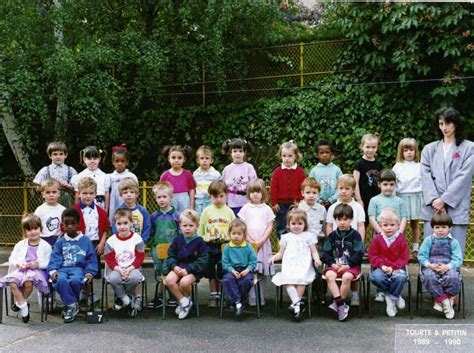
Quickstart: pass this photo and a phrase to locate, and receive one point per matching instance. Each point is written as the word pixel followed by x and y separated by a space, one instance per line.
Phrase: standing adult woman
pixel 446 174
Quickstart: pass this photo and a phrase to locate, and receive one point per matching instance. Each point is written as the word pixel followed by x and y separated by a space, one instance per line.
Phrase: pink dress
pixel 257 218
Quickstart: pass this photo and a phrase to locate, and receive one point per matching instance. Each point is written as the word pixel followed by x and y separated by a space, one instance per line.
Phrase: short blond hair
pixel 191 215
pixel 407 142
pixel 49 183
pixel 347 180
pixel 128 184
pixel 293 147
pixel 87 183
pixel 163 185
pixel 257 185
pixel 389 214
pixel 368 137
pixel 204 150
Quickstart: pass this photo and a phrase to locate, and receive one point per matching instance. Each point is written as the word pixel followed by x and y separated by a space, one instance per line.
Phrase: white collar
pixel 293 167
pixel 68 238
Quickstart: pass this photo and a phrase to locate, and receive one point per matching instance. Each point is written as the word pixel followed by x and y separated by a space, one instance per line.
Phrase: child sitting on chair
pixel 124 254
pixel 73 263
pixel 28 262
pixel 440 258
pixel 188 257
pixel 388 256
pixel 343 253
pixel 238 262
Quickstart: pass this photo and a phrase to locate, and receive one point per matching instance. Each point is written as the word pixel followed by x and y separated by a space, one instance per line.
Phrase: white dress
pixel 297 263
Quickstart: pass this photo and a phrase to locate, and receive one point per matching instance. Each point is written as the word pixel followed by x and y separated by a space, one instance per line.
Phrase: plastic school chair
pixel 360 280
pixel 257 277
pixel 419 294
pixel 162 254
pixel 105 296
pixel 369 307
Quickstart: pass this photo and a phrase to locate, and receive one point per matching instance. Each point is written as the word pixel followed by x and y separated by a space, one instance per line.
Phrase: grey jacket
pixel 449 179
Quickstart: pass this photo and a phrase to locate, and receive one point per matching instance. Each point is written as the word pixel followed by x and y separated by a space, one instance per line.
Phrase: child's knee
pixel 347 277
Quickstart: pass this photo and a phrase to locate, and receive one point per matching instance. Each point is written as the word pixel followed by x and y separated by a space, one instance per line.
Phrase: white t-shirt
pixel 408 177
pixel 50 219
pixel 102 180
pixel 359 214
pixel 91 220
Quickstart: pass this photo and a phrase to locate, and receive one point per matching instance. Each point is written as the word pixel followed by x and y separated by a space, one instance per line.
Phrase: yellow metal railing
pixel 19 198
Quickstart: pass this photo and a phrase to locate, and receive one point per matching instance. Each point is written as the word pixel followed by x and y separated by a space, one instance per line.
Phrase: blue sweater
pixel 188 253
pixel 327 176
pixel 235 256
pixel 77 252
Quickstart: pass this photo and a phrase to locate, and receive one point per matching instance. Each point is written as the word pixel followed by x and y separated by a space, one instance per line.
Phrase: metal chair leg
pixel 310 297
pixel 369 307
pixel 163 295
pixel 257 298
pixel 196 297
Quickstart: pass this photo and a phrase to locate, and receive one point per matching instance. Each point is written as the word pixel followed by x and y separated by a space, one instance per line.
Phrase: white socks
pixel 184 301
pixel 125 300
pixel 238 305
pixel 23 308
pixel 293 294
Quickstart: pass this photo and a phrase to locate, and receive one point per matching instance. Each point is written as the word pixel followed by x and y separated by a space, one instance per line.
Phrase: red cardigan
pixel 104 223
pixel 285 185
pixel 395 256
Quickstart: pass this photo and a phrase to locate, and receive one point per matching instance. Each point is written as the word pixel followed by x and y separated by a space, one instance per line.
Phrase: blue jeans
pixel 281 219
pixel 393 285
pixel 236 290
pixel 69 283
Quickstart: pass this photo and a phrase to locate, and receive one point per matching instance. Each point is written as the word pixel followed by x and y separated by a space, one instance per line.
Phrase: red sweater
pixel 395 256
pixel 285 186
pixel 104 223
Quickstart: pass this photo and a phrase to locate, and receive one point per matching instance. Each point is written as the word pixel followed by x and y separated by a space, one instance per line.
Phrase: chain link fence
pixel 268 72
pixel 17 199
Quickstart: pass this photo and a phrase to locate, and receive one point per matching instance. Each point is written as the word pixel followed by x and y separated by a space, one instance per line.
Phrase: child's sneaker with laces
pixel 185 311
pixel 342 311
pixel 438 307
pixel 447 309
pixel 212 303
pixel 333 306
pixel 391 307
pixel 379 297
pixel 70 313
pixel 138 303
pixel 400 303
pixel 155 303
pixel 118 304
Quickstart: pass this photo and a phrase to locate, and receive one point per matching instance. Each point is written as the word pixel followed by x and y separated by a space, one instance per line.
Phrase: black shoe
pixel 155 303
pixel 15 307
pixel 26 318
pixel 299 315
pixel 172 302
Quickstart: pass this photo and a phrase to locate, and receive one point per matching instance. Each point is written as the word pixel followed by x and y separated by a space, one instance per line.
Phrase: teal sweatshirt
pixel 235 256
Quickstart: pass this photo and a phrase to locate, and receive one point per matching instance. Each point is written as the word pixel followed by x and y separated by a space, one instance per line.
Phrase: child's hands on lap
pixel 343 268
pixel 244 272
pixel 236 274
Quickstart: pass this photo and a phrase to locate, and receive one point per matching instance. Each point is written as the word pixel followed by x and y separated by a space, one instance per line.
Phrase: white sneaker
pixel 355 298
pixel 178 309
pixel 438 307
pixel 415 247
pixel 391 308
pixel 400 303
pixel 333 306
pixel 379 297
pixel 185 311
pixel 447 309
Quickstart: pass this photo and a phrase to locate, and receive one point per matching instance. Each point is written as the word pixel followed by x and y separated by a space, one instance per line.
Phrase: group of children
pixel 317 221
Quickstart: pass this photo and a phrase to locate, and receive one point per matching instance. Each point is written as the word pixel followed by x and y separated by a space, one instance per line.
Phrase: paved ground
pixel 209 333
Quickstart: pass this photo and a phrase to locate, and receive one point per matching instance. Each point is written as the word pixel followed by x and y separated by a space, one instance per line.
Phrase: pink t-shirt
pixel 181 183
pixel 237 176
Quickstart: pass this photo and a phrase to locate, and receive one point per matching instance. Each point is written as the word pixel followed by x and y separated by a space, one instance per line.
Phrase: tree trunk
pixel 61 118
pixel 9 128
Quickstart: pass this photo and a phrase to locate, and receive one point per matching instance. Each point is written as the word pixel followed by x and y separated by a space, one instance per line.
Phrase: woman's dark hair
pixel 236 143
pixel 451 115
pixel 186 150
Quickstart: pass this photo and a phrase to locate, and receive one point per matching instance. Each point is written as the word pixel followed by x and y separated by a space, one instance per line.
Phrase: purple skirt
pixel 38 277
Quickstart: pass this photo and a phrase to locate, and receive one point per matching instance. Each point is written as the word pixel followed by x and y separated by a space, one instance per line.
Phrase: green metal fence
pixel 19 198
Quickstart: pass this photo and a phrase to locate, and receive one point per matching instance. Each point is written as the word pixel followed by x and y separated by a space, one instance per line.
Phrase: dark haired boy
pixel 57 152
pixel 214 229
pixel 73 262
pixel 343 252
